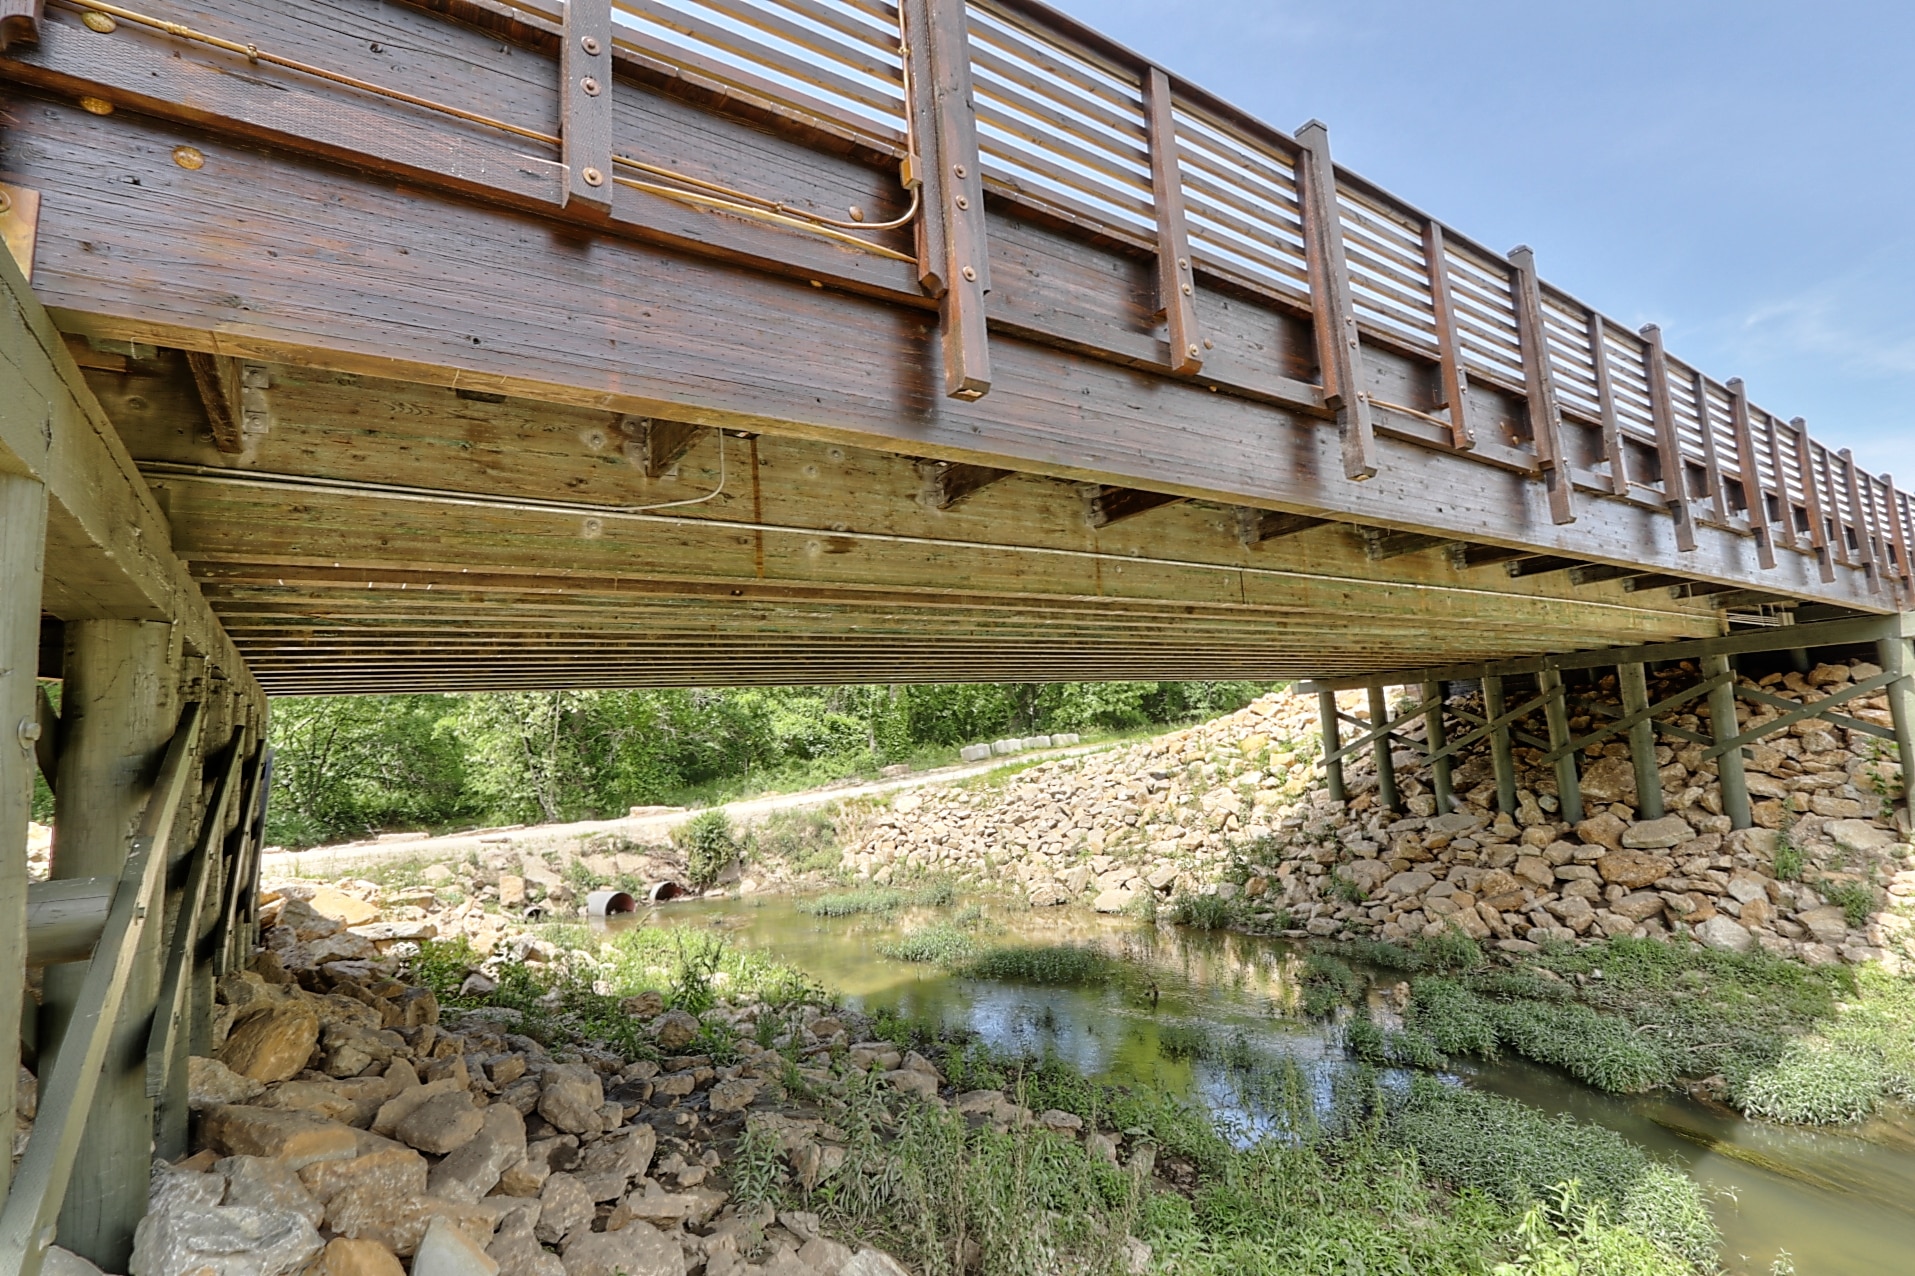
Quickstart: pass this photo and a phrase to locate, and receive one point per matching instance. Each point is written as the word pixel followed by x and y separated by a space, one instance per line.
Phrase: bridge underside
pixel 388 536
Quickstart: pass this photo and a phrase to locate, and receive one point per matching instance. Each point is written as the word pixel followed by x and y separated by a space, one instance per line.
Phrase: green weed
pixel 709 846
pixel 1206 912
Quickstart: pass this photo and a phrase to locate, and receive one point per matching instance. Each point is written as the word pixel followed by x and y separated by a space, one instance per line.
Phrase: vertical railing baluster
pixel 1612 441
pixel 585 103
pixel 1176 282
pixel 1711 462
pixel 1449 349
pixel 1785 499
pixel 1753 495
pixel 1862 520
pixel 1812 501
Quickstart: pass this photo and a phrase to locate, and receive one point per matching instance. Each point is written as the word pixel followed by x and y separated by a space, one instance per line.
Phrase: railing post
pixel 1453 378
pixel 1675 475
pixel 1722 724
pixel 1634 681
pixel 1176 283
pixel 1502 756
pixel 1569 790
pixel 1380 750
pixel 1339 351
pixel 1437 738
pixel 1895 656
pixel 1545 413
pixel 954 254
pixel 1332 771
pixel 23 525
pixel 1753 495
pixel 118 712
pixel 585 103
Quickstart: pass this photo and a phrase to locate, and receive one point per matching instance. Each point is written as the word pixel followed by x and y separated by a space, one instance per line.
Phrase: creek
pixel 1841 1202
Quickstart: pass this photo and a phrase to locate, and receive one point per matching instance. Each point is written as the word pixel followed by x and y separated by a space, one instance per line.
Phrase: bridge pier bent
pixel 843 343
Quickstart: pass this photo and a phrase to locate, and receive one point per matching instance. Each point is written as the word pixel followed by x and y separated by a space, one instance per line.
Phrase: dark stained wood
pixel 1381 543
pixel 657 444
pixel 1339 352
pixel 1711 462
pixel 1108 505
pixel 215 376
pixel 1255 526
pixel 1451 374
pixel 1864 522
pixel 1904 568
pixel 1541 566
pixel 1812 495
pixel 1594 573
pixel 940 47
pixel 1651 580
pixel 1545 415
pixel 1785 503
pixel 948 483
pixel 1489 555
pixel 19 23
pixel 585 95
pixel 1754 495
pixel 1614 451
pixel 1176 284
pixel 1675 478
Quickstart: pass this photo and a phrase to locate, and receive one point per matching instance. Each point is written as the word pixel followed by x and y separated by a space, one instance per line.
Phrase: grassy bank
pixel 1773 1037
pixel 1381 1178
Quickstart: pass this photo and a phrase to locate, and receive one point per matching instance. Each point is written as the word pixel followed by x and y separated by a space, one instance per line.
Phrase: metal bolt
pixel 101 22
pixel 6 203
pixel 970 275
pixel 1183 263
pixel 590 86
pixel 1193 350
pixel 29 732
pixel 189 157
pixel 963 202
pixel 1209 344
pixel 958 169
pixel 96 106
pixel 590 44
pixel 593 177
pixel 1188 291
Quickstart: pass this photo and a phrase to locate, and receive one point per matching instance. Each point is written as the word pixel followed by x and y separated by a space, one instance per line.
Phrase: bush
pixel 1855 899
pixel 1326 984
pixel 709 847
pixel 1205 912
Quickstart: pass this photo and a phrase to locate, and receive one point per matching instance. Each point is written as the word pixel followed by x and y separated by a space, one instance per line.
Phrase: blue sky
pixel 1742 173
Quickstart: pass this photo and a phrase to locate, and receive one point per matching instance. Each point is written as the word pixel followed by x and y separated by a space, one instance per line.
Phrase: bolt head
pixel 590 44
pixel 590 85
pixel 593 177
pixel 100 22
pixel 969 274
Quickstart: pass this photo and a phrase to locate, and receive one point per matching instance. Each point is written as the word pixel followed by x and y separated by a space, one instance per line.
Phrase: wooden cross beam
pixel 1255 526
pixel 1814 709
pixel 1380 543
pixel 948 483
pixel 1106 505
pixel 1631 717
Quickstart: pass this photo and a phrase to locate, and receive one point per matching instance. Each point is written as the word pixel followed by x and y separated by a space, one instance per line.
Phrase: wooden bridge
pixel 393 345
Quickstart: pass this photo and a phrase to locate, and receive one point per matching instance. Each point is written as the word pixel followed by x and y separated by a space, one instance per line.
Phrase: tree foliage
pixel 347 766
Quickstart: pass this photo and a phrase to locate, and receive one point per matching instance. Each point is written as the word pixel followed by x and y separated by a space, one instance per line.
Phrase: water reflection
pixel 1841 1202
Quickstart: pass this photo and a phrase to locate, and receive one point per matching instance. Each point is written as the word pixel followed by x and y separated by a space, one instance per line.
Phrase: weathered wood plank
pixel 585 97
pixel 23 527
pixel 1339 350
pixel 1545 413
pixel 1675 473
pixel 1176 283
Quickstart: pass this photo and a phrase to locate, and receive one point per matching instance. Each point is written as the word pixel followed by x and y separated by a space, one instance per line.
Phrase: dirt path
pixel 330 860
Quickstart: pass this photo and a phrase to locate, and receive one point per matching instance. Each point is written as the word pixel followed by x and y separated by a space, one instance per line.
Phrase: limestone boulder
pixel 1634 869
pixel 674 1030
pixel 1115 900
pixel 1865 837
pixel 1638 906
pixel 1829 924
pixel 344 1256
pixel 297 1139
pixel 473 1168
pixel 1657 835
pixel 441 1123
pixel 271 1043
pixel 1724 933
pixel 209 1082
pixel 268 1185
pixel 565 1206
pixel 1610 780
pixel 394 1171
pixel 637 1249
pixel 400 1222
pixel 1604 828
pixel 572 1095
pixel 221 1240
pixel 444 1250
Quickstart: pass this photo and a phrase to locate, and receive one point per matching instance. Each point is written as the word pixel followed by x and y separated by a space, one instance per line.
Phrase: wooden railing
pixel 1075 127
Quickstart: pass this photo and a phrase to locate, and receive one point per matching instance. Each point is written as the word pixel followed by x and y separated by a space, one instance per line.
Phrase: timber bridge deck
pixel 400 345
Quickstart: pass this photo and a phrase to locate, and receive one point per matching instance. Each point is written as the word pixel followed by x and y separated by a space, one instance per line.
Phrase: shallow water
pixel 1842 1203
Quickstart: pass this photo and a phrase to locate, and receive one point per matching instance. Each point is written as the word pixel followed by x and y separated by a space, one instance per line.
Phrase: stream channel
pixel 1840 1201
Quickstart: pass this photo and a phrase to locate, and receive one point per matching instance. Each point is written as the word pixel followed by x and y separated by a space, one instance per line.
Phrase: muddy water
pixel 1842 1203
